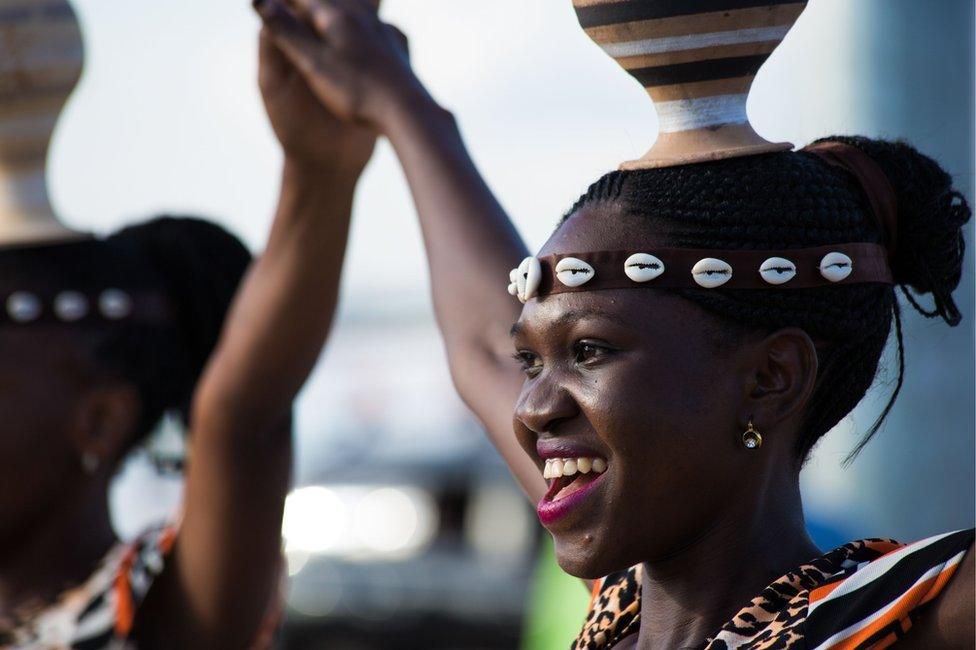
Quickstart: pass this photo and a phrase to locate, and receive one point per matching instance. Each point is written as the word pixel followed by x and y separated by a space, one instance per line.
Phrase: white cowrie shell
pixel 513 282
pixel 711 272
pixel 573 272
pixel 529 278
pixel 23 307
pixel 777 270
pixel 643 267
pixel 836 266
pixel 70 306
pixel 114 304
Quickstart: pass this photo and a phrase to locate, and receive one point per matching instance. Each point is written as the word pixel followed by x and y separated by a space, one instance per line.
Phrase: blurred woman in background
pixel 671 423
pixel 100 337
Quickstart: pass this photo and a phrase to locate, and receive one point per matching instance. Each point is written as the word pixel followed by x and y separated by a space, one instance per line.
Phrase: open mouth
pixel 569 475
pixel 570 480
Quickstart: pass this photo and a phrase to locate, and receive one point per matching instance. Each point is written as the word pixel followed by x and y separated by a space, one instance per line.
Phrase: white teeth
pixel 569 466
pixel 557 468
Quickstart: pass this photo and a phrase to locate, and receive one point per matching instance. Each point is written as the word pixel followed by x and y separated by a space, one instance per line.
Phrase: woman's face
pixel 51 406
pixel 641 380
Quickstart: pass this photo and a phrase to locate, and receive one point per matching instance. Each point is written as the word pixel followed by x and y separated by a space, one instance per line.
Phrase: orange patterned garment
pixel 99 614
pixel 862 595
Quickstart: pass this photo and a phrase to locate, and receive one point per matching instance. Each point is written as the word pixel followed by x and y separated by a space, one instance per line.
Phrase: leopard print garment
pixel 770 621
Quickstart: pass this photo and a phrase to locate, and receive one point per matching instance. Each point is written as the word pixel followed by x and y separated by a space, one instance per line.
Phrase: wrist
pixel 408 108
pixel 327 174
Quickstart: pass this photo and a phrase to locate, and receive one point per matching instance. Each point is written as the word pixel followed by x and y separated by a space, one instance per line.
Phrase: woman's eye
pixel 529 361
pixel 588 351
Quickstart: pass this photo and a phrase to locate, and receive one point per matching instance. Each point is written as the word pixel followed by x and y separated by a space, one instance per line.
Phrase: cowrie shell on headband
pixel 114 304
pixel 529 278
pixel 513 282
pixel 836 266
pixel 573 272
pixel 70 306
pixel 711 272
pixel 23 307
pixel 643 267
pixel 777 270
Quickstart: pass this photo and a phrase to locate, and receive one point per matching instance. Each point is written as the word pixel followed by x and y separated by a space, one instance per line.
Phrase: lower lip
pixel 552 511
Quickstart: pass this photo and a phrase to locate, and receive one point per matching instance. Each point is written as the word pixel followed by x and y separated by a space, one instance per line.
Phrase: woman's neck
pixel 58 552
pixel 687 597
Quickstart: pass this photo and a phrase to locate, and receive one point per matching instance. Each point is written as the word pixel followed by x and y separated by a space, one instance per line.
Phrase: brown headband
pixel 874 182
pixel 869 264
pixel 79 308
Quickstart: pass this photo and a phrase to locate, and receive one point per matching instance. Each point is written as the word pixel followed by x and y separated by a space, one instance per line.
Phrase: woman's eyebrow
pixel 572 316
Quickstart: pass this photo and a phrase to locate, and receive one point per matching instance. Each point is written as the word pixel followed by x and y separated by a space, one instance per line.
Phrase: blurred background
pixel 404 529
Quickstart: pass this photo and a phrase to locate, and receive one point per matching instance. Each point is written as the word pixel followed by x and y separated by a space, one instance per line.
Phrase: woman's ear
pixel 783 376
pixel 104 423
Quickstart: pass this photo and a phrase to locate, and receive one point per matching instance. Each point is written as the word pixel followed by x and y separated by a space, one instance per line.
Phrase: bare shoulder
pixel 951 620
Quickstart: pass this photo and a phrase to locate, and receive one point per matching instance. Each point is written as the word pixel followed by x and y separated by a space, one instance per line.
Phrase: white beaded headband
pixel 687 268
pixel 25 307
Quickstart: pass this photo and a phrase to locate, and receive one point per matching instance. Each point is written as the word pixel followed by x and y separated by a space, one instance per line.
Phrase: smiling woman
pixel 664 411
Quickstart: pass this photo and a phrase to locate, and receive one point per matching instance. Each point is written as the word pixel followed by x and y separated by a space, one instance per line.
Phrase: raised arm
pixel 226 566
pixel 359 68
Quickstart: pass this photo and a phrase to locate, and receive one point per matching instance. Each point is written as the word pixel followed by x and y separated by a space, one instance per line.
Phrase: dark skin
pixel 49 421
pixel 58 405
pixel 638 377
pixel 644 379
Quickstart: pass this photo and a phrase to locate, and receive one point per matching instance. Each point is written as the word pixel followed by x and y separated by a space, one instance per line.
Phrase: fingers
pixel 273 62
pixel 290 34
pixel 336 19
pixel 320 15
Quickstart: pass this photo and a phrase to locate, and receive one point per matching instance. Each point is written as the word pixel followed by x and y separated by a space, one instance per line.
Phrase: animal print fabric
pixel 781 616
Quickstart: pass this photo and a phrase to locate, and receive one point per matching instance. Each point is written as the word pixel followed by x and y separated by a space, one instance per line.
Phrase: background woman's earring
pixel 752 439
pixel 90 462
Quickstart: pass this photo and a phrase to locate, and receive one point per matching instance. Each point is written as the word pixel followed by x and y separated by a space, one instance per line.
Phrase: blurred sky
pixel 168 119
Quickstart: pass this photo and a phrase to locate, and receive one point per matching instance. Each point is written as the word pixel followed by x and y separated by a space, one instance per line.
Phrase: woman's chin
pixel 585 558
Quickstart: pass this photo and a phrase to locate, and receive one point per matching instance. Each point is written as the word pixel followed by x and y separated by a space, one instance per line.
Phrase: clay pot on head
pixel 697 60
pixel 41 59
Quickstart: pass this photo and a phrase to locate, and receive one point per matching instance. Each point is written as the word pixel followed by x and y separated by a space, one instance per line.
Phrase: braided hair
pixel 792 200
pixel 198 266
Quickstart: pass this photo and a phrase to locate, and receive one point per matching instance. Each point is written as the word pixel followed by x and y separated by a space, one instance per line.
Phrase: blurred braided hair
pixel 199 266
pixel 793 200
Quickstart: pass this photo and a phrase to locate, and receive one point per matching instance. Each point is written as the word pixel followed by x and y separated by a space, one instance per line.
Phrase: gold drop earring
pixel 751 438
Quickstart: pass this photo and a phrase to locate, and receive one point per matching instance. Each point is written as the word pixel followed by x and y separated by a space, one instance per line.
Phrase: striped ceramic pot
pixel 41 58
pixel 697 59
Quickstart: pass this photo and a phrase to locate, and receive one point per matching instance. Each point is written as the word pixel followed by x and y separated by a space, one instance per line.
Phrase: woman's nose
pixel 544 404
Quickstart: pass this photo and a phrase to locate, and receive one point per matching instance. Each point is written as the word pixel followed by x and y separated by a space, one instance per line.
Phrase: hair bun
pixel 931 214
